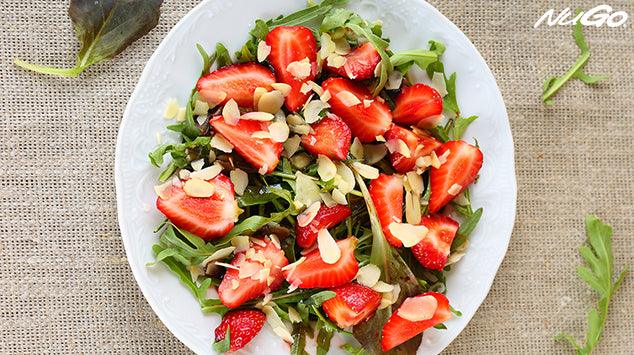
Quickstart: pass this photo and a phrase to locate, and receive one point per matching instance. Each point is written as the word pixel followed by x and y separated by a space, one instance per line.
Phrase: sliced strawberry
pixel 418 104
pixel 398 330
pixel 364 122
pixel 352 305
pixel 314 272
pixel 238 81
pixel 326 218
pixel 387 194
pixel 260 152
pixel 243 325
pixel 360 63
pixel 292 44
pixel 261 272
pixel 331 138
pixel 433 250
pixel 419 145
pixel 208 217
pixel 455 175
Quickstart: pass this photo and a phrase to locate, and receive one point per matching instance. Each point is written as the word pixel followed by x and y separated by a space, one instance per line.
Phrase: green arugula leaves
pixel 599 275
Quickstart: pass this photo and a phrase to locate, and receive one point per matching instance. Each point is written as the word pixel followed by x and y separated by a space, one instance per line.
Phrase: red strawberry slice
pixel 260 270
pixel 260 152
pixel 433 250
pixel 331 138
pixel 419 145
pixel 360 63
pixel 455 175
pixel 326 218
pixel 238 81
pixel 386 192
pixel 292 44
pixel 364 122
pixel 314 272
pixel 352 305
pixel 209 217
pixel 418 104
pixel 243 325
pixel 398 330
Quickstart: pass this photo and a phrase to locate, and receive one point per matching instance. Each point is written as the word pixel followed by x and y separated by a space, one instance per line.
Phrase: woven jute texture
pixel 65 286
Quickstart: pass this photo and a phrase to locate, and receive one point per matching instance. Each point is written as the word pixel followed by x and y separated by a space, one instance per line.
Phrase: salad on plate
pixel 317 186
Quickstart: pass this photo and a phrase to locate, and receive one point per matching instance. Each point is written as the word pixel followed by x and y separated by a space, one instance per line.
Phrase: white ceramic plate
pixel 172 72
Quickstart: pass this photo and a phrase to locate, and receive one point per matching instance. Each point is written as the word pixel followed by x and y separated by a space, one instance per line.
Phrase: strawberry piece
pixel 364 122
pixel 292 44
pixel 331 138
pixel 314 272
pixel 209 217
pixel 326 218
pixel 386 192
pixel 262 153
pixel 419 146
pixel 433 250
pixel 398 330
pixel 418 104
pixel 233 290
pixel 352 305
pixel 455 175
pixel 238 81
pixel 243 324
pixel 360 63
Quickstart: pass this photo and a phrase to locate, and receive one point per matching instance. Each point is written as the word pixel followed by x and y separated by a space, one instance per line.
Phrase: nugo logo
pixel 597 16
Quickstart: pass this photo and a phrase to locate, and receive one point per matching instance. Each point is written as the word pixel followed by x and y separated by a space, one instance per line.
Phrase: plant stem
pixel 581 61
pixel 63 72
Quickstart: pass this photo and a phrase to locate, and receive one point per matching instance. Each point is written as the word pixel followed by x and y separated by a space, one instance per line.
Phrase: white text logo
pixel 597 16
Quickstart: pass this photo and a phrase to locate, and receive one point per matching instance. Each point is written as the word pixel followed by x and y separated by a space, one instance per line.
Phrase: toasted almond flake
pixel 275 240
pixel 184 174
pixel 295 119
pixel 201 108
pixel 378 69
pixel 336 61
pixel 328 200
pixel 261 135
pixel 326 169
pixel 235 284
pixel 300 160
pixel 279 131
pixel 326 96
pixel 299 69
pixel 291 146
pixel 438 83
pixel 374 152
pixel 221 143
pixel 197 164
pixel 171 109
pixel 219 255
pixel 263 169
pixel 284 88
pixel 314 87
pixel 313 109
pixel 356 148
pixel 258 241
pixel 349 72
pixel 180 116
pixel 366 171
pixel 177 182
pixel 294 265
pixel 423 162
pixel 328 46
pixel 215 98
pixel 435 162
pixel 455 189
pixel 416 309
pixel 271 102
pixel 306 189
pixel 415 182
pixel 212 156
pixel 263 51
pixel 347 181
pixel 413 212
pixel 207 173
pixel 257 94
pixel 368 275
pixel 293 315
pixel 160 189
pixel 380 138
pixel 461 199
pixel 328 248
pixel 240 242
pixel 383 287
pixel 201 119
pixel 265 300
pixel 274 320
pixel 394 80
pixel 409 234
pixel 396 292
pixel 347 98
pixel 457 254
pixel 249 269
pixel 385 303
pixel 258 116
pixel 339 197
pixel 228 266
pixel 198 188
pixel 304 218
pixel 300 129
pixel 305 88
pixel 398 146
pixel 342 46
pixel 443 157
pixel 283 333
pixel 367 103
pixel 240 180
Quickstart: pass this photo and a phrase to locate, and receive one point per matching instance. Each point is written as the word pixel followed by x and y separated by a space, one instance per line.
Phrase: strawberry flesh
pixel 461 168
pixel 238 81
pixel 260 152
pixel 326 218
pixel 386 192
pixel 419 105
pixel 331 137
pixel 360 63
pixel 433 250
pixel 366 123
pixel 419 146
pixel 210 217
pixel 243 325
pixel 352 305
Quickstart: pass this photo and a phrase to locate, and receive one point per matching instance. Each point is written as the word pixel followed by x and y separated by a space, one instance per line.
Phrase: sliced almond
pixel 336 61
pixel 394 80
pixel 171 109
pixel 300 160
pixel 263 51
pixel 219 255
pixel 327 45
pixel 180 115
pixel 342 46
pixel 383 287
pixel 261 135
pixel 228 266
pixel 293 315
pixel 314 87
pixel 201 108
pixel 380 138
pixel 300 129
pixel 374 152
pixel 279 131
pixel 328 200
pixel 304 218
pixel 346 181
pixel 274 320
pixel 398 146
pixel 368 275
pixel 347 98
pixel 367 103
pixel 240 242
pixel 339 197
pixel 299 69
pixel 457 254
pixel 221 143
pixel 263 169
pixel 313 109
pixel 231 112
pixel 258 116
pixel 328 248
pixel 257 94
pixel 443 157
pixel 207 173
pixel 424 162
pixel 305 88
pixel 271 102
pixel 295 119
pixel 455 189
pixel 291 146
pixel 198 188
pixel 197 164
pixel 409 234
pixel 326 96
pixel 356 148
pixel 366 171
pixel 284 88
pixel 184 174
pixel 413 212
pixel 212 156
pixel 326 168
pixel 240 180
pixel 419 308
pixel 435 162
pixel 215 98
pixel 161 189
pixel 415 181
pixel 438 83
pixel 306 190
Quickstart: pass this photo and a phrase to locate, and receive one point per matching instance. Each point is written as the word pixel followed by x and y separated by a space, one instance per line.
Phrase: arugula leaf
pixel 381 46
pixel 222 56
pixel 461 124
pixel 177 150
pixel 223 345
pixel 353 350
pixel 553 84
pixel 104 28
pixel 299 340
pixel 324 335
pixel 252 197
pixel 403 60
pixel 318 298
pixel 599 275
pixel 252 224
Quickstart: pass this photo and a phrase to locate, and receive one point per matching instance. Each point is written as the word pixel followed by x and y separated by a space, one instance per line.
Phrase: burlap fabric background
pixel 65 286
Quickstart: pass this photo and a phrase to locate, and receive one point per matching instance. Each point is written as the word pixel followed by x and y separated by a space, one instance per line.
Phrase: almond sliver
pixel 240 180
pixel 284 88
pixel 328 247
pixel 326 168
pixel 398 146
pixel 455 189
pixel 271 102
pixel 231 112
pixel 347 98
pixel 368 275
pixel 409 234
pixel 313 109
pixel 366 171
pixel 263 51
pixel 356 148
pixel 304 218
pixel 258 116
pixel 207 173
pixel 416 309
pixel 198 188
pixel 299 69
pixel 221 143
